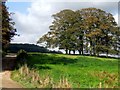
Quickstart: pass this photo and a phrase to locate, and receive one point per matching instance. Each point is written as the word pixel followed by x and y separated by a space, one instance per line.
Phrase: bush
pixel 21 56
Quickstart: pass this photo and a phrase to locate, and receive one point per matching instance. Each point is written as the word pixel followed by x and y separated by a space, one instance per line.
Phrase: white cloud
pixel 40 8
pixel 35 23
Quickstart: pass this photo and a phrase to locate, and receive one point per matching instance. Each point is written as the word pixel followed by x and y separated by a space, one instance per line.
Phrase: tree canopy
pixel 8 30
pixel 88 30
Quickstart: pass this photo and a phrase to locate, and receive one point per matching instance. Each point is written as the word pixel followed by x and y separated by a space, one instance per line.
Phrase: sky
pixel 34 18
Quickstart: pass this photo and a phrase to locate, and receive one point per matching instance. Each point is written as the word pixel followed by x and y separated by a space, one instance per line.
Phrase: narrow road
pixel 7 82
pixel 8 64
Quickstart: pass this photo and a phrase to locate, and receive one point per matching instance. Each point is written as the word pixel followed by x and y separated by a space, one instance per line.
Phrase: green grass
pixel 81 71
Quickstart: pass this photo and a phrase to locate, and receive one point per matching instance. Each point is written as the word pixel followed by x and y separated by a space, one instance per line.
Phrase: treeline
pixel 14 48
pixel 88 30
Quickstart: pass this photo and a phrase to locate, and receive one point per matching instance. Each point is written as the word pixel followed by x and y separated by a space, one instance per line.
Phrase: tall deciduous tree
pixel 100 28
pixel 89 29
pixel 62 31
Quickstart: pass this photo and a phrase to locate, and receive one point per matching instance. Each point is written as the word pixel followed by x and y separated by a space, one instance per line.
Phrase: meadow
pixel 80 71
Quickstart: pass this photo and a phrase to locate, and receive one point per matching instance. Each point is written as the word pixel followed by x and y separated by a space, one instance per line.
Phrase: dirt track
pixel 6 82
pixel 8 64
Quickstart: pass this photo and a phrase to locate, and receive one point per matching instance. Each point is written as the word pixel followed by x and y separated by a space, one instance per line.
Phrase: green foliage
pixel 74 30
pixel 81 71
pixel 21 57
pixel 8 30
pixel 22 54
pixel 62 32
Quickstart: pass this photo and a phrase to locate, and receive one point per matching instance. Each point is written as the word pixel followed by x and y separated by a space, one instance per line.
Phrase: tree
pixel 64 31
pixel 99 29
pixel 90 29
pixel 8 30
pixel 61 31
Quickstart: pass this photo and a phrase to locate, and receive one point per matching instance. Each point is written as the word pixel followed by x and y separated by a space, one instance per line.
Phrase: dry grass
pixel 33 77
pixel 107 80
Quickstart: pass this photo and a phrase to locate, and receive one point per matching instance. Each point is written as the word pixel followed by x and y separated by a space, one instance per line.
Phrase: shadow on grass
pixel 41 67
pixel 39 60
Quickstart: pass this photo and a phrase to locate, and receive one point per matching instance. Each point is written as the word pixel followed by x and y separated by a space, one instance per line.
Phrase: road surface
pixel 8 64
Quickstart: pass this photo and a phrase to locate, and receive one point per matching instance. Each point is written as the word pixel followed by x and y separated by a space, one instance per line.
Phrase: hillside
pixel 14 48
pixel 79 71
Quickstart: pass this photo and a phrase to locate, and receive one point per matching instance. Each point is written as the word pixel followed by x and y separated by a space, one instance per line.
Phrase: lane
pixel 7 82
pixel 8 64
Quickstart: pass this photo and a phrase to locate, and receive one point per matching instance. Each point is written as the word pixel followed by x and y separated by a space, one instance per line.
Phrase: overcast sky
pixel 34 18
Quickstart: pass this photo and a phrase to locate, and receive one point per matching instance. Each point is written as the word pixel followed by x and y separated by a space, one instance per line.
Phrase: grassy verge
pixel 78 71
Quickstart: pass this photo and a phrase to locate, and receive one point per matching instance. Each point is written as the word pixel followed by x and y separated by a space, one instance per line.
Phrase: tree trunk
pixel 69 51
pixel 94 53
pixel 73 51
pixel 82 51
pixel 66 51
pixel 90 50
pixel 79 52
pixel 97 53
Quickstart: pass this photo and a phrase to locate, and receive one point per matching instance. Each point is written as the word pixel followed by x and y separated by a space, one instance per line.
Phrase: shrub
pixel 21 56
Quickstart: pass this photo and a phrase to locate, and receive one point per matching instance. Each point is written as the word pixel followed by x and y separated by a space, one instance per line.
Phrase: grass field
pixel 81 71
